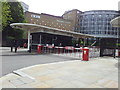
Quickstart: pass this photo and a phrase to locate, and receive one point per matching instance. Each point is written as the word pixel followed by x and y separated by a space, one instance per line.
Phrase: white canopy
pixel 46 29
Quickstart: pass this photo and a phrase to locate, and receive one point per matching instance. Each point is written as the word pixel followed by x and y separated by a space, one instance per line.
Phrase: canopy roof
pixel 115 22
pixel 46 29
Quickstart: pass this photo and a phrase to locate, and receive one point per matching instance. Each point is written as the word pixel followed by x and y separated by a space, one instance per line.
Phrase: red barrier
pixel 50 48
pixel 69 48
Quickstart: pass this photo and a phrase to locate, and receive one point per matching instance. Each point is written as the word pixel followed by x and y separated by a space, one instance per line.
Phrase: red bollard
pixel 58 50
pixel 85 53
pixel 39 49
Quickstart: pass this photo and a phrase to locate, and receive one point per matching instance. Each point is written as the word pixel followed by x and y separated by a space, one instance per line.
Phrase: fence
pixel 94 52
pixel 69 51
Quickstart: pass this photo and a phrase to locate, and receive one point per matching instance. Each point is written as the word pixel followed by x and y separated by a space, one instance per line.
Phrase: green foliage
pixel 5 16
pixel 81 42
pixel 25 34
pixel 13 13
pixel 118 44
pixel 17 13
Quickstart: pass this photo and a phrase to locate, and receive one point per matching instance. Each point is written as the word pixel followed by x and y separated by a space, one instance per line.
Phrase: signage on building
pixel 35 16
pixel 62 21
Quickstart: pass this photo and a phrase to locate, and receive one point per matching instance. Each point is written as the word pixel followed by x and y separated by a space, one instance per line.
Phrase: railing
pixel 94 52
pixel 70 51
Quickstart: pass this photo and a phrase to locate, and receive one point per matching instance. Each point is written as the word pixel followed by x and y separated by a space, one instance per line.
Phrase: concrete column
pixel 84 41
pixel 28 39
pixel 40 38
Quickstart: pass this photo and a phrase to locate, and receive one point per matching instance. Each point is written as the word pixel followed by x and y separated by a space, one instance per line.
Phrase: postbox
pixel 85 54
pixel 119 53
pixel 39 49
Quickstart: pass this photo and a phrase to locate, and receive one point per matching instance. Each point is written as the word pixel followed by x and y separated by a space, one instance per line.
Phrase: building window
pixel 35 16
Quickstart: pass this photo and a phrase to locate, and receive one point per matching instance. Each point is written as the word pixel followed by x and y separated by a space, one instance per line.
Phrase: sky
pixel 58 7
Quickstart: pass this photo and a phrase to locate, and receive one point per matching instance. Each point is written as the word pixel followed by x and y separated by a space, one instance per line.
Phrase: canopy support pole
pixel 28 39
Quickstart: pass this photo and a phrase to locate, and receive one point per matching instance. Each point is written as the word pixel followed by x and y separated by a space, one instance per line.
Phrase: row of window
pixel 95 19
pixel 100 12
pixel 97 28
pixel 99 32
pixel 89 30
pixel 98 16
pixel 94 24
pixel 50 23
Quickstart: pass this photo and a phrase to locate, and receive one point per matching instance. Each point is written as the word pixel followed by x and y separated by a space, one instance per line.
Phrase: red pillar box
pixel 85 53
pixel 39 49
pixel 119 53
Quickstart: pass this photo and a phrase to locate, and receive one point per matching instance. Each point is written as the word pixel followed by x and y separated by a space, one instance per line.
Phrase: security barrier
pixel 94 52
pixel 69 51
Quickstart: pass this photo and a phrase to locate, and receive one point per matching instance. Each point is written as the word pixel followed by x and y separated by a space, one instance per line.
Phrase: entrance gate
pixel 108 47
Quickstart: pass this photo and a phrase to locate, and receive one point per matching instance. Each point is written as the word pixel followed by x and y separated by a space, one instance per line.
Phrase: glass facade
pixel 98 23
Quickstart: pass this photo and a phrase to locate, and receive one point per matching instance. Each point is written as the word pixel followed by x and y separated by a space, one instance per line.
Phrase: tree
pixel 17 16
pixel 5 16
pixel 16 12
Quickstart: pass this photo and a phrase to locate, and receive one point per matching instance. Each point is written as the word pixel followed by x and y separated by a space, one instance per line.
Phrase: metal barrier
pixel 68 51
pixel 94 52
pixel 117 54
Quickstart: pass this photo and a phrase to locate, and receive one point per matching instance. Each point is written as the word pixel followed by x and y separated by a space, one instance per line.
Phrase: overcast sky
pixel 58 7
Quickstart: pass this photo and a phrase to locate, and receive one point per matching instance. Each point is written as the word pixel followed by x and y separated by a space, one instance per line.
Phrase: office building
pixel 25 6
pixel 73 15
pixel 49 21
pixel 97 23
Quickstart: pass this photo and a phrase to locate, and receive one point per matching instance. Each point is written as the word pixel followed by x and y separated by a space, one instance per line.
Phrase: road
pixel 15 62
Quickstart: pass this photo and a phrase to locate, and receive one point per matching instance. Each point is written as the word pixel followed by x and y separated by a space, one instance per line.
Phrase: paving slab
pixel 96 73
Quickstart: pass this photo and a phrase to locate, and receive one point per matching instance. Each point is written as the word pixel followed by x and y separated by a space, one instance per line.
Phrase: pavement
pixel 6 51
pixel 96 73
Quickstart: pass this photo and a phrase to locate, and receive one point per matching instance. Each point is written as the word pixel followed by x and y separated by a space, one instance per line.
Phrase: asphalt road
pixel 15 62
